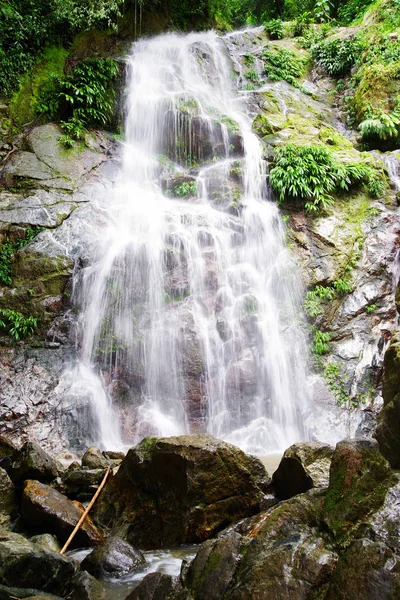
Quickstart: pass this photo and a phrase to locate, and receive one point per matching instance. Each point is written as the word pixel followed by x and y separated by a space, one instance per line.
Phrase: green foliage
pixel 301 25
pixel 370 309
pixel 16 325
pixel 84 99
pixel 322 10
pixel 336 383
pixel 7 251
pixel 311 174
pixel 352 10
pixel 336 57
pixel 380 126
pixel 312 301
pixel 321 342
pixel 342 287
pixel 185 189
pixel 252 76
pixel 281 64
pixel 274 28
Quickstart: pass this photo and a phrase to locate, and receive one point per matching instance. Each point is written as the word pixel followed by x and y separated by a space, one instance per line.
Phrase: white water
pixel 190 314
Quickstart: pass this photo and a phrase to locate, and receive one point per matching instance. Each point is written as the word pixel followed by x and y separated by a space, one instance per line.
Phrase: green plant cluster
pixel 274 28
pixel 16 325
pixel 186 189
pixel 7 251
pixel 27 27
pixel 313 301
pixel 311 174
pixel 83 99
pixel 337 56
pixel 321 340
pixel 283 65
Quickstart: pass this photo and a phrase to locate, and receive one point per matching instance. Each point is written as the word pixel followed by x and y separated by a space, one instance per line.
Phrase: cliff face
pixel 53 199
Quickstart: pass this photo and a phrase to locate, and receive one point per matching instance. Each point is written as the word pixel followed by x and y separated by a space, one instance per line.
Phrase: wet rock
pixel 359 480
pixel 8 502
pixel 24 564
pixel 7 593
pixel 113 558
pixel 303 466
pixel 385 523
pixel 31 462
pixel 81 483
pixel 7 448
pixel 180 490
pixel 93 459
pixel 84 586
pixel 47 511
pixel 274 555
pixel 388 429
pixel 159 586
pixel 367 570
pixel 113 456
pixel 46 540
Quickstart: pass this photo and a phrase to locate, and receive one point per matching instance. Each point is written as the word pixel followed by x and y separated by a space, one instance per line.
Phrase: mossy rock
pixel 359 480
pixel 263 125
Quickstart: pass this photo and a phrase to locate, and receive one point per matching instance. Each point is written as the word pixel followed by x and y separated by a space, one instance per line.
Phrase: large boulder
pixel 388 429
pixel 47 511
pixel 7 593
pixel 93 459
pixel 180 490
pixel 84 586
pixel 31 462
pixel 113 558
pixel 303 466
pixel 159 586
pixel 8 504
pixel 25 565
pixel 81 483
pixel 360 478
pixel 280 554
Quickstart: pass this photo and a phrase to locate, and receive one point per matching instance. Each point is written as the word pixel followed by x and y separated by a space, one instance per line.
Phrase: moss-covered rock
pixel 388 429
pixel 180 490
pixel 359 480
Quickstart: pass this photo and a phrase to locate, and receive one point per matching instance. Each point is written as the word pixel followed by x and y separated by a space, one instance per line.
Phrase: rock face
pixel 113 558
pixel 388 430
pixel 32 462
pixel 23 564
pixel 158 586
pixel 8 504
pixel 180 490
pixel 359 481
pixel 47 511
pixel 303 466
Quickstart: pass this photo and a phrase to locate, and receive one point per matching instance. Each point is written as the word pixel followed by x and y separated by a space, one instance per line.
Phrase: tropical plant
pixel 321 342
pixel 337 56
pixel 274 28
pixel 16 325
pixel 281 64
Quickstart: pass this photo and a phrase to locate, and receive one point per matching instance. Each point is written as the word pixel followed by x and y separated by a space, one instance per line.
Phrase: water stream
pixel 190 313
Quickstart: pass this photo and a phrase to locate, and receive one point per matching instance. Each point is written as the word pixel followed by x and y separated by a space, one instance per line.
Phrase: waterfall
pixel 191 311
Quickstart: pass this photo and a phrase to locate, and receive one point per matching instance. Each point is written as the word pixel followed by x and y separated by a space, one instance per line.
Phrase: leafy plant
pixel 187 188
pixel 281 64
pixel 370 309
pixel 321 342
pixel 322 10
pixel 336 383
pixel 16 325
pixel 8 249
pixel 274 28
pixel 342 287
pixel 380 126
pixel 336 57
pixel 252 76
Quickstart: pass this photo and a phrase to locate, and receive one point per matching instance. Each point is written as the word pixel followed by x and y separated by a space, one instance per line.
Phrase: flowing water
pixel 190 314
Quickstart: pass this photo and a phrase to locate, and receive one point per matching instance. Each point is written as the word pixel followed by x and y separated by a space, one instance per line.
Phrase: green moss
pixel 23 103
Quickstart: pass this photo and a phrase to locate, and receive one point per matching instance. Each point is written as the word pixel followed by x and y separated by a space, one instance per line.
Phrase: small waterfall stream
pixel 190 314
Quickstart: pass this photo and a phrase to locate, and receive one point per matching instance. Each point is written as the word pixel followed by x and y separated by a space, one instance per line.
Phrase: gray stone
pixel 113 558
pixel 93 459
pixel 84 586
pixel 46 540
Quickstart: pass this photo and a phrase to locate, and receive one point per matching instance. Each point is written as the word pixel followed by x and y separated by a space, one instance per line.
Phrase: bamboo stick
pixel 85 514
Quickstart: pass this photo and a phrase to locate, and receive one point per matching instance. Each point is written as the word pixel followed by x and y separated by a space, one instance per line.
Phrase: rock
pixel 113 558
pixel 280 554
pixel 7 448
pixel 46 540
pixel 303 466
pixel 180 490
pixel 31 462
pixel 7 593
pixel 46 510
pixel 385 523
pixel 111 455
pixel 93 459
pixel 84 586
pixel 388 429
pixel 367 570
pixel 24 564
pixel 82 483
pixel 8 503
pixel 359 480
pixel 159 586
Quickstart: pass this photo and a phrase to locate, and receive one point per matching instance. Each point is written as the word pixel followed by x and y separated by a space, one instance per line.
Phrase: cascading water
pixel 190 314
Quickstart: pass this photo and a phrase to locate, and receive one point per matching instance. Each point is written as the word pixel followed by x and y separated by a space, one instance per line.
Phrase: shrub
pixel 16 325
pixel 337 57
pixel 187 188
pixel 8 249
pixel 274 29
pixel 321 342
pixel 380 126
pixel 283 65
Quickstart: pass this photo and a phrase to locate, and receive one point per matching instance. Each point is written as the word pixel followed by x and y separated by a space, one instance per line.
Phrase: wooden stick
pixel 85 514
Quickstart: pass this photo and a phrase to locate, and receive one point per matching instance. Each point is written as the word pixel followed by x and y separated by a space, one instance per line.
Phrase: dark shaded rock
pixel 277 555
pixel 158 586
pixel 24 564
pixel 79 482
pixel 359 480
pixel 8 503
pixel 45 510
pixel 113 558
pixel 7 593
pixel 31 462
pixel 93 459
pixel 7 448
pixel 209 574
pixel 45 540
pixel 111 455
pixel 367 570
pixel 388 429
pixel 85 587
pixel 385 523
pixel 180 490
pixel 303 466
